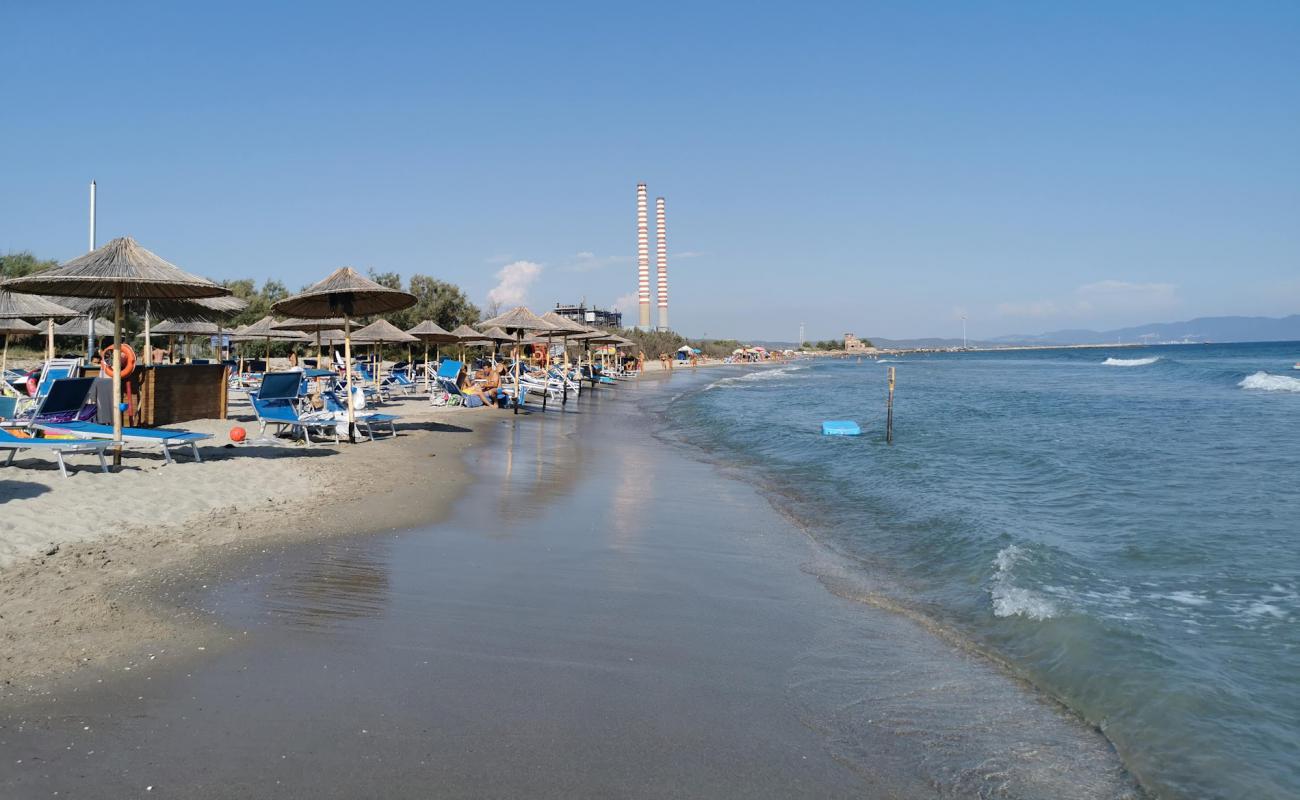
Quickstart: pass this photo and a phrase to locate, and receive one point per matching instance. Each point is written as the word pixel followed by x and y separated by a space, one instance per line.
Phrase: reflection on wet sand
pixel 556 464
pixel 339 584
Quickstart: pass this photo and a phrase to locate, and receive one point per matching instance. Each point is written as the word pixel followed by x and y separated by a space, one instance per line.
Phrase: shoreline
pixel 86 602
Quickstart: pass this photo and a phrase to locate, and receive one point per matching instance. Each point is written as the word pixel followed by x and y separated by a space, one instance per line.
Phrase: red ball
pixel 237 434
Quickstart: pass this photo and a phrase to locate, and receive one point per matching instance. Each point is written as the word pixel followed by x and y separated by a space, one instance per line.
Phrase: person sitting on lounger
pixel 472 388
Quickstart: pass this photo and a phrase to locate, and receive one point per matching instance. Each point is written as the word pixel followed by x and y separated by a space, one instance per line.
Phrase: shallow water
pixel 1119 525
pixel 603 615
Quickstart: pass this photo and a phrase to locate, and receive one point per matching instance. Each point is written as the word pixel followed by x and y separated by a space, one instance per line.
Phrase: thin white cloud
pixel 1031 308
pixel 626 303
pixel 513 281
pixel 685 254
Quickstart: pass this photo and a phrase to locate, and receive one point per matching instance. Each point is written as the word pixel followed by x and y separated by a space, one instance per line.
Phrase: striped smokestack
pixel 661 245
pixel 642 257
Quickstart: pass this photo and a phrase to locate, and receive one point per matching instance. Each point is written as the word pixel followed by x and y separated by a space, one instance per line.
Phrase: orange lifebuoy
pixel 106 360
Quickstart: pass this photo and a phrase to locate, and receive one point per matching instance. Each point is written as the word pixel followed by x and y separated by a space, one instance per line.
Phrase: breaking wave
pixel 1130 362
pixel 1268 382
pixel 759 375
pixel 1010 600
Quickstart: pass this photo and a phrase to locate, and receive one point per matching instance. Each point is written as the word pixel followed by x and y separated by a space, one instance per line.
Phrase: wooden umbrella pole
pixel 4 360
pixel 347 365
pixel 519 390
pixel 148 341
pixel 117 376
pixel 320 354
pixel 426 365
pixel 49 338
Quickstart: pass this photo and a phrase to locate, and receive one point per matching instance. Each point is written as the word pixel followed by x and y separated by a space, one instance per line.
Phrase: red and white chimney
pixel 661 245
pixel 642 258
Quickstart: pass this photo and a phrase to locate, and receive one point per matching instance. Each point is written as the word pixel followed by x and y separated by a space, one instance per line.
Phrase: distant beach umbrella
pixel 33 306
pixel 121 269
pixel 77 327
pixel 431 332
pixel 347 293
pixel 467 337
pixel 379 333
pixel 315 326
pixel 13 327
pixel 264 330
pixel 519 321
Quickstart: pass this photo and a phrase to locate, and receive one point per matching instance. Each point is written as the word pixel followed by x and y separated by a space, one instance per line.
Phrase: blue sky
pixel 880 168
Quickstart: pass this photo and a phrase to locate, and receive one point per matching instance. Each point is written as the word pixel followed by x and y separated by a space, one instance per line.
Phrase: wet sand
pixel 602 616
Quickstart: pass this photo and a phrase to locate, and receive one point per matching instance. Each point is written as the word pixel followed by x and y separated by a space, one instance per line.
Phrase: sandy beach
pixel 80 557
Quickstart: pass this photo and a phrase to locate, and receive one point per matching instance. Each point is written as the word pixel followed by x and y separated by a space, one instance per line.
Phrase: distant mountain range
pixel 1201 329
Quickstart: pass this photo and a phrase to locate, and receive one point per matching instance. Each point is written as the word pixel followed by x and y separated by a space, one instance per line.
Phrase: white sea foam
pixel 1267 382
pixel 758 375
pixel 1185 597
pixel 1130 362
pixel 1010 600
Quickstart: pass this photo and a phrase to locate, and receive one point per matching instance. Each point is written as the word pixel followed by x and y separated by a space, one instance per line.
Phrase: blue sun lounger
pixel 59 447
pixel 365 420
pixel 275 404
pixel 163 438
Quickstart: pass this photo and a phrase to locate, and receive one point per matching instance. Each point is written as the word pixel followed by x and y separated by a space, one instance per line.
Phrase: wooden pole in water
pixel 889 410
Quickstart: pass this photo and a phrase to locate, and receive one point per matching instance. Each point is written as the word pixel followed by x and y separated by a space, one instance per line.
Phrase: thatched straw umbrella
pixel 312 326
pixel 467 336
pixel 185 330
pixel 264 329
pixel 431 332
pixel 13 327
pixel 217 310
pixel 348 293
pixel 566 329
pixel 379 333
pixel 119 269
pixel 77 327
pixel 520 320
pixel 33 306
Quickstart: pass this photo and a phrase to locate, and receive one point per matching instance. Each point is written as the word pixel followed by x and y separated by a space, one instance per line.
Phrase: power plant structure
pixel 643 259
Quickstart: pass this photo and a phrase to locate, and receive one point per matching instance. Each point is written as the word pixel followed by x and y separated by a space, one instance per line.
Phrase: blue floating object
pixel 840 427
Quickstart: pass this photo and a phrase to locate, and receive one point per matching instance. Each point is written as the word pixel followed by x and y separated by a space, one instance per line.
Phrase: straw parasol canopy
pixel 465 334
pixel 33 306
pixel 264 330
pixel 563 325
pixel 13 327
pixel 309 325
pixel 495 334
pixel 379 333
pixel 312 326
pixel 174 328
pixel 519 320
pixel 182 328
pixel 345 292
pixel 77 327
pixel 120 269
pixel 430 331
pixel 348 293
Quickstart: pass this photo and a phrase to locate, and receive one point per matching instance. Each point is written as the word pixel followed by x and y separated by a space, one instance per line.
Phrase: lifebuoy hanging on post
pixel 106 360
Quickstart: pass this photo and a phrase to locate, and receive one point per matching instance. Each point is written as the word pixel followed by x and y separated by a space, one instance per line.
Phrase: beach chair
pixel 65 400
pixel 276 405
pixel 447 380
pixel 366 422
pixel 376 390
pixel 401 379
pixel 166 439
pixel 59 447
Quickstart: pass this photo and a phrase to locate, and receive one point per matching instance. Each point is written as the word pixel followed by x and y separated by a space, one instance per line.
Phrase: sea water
pixel 1120 527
